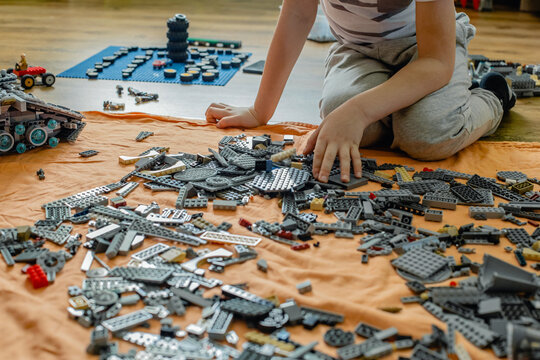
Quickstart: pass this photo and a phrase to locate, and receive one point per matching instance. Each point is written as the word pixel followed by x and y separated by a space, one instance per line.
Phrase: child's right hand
pixel 224 116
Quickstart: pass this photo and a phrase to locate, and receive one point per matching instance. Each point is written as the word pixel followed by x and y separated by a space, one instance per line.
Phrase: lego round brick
pixel 336 337
pixel 169 73
pixel 105 297
pixel 186 77
pixel 208 76
pixel 225 64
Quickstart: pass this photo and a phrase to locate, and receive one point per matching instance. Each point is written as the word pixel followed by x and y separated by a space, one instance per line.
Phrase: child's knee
pixel 332 100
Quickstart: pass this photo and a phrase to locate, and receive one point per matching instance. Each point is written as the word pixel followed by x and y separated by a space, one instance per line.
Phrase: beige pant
pixel 435 127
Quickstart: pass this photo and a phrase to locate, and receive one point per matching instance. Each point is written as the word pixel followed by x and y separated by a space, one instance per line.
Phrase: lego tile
pixel 126 322
pixel 230 239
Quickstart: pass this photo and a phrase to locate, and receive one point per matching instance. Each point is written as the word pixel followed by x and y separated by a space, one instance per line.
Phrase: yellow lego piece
pixel 260 147
pixel 530 254
pixel 536 246
pixel 262 339
pixel 451 230
pixel 78 302
pixel 126 160
pixel 383 174
pixel 297 165
pixel 23 233
pixel 317 204
pixel 173 255
pixel 405 177
pixel 274 299
pixel 179 166
pixel 201 223
pixel 283 155
pixel 522 187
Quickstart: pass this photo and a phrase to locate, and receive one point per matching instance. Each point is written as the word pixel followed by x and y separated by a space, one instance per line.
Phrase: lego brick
pixel 324 317
pixel 59 237
pixel 336 337
pixel 488 212
pixel 357 350
pixel 150 252
pixel 497 190
pixel 147 228
pixel 230 239
pixel 235 292
pixel 422 186
pixel 114 246
pixel 88 153
pixel 246 308
pixel 126 322
pixel 104 232
pixel 191 298
pixel 224 205
pixel 282 179
pixel 196 203
pixel 219 325
pixel 143 135
pixel 433 215
pixel 304 287
pixel 419 262
pixel 128 188
pixel 438 201
pixel 57 212
pixel 149 275
pixel 353 183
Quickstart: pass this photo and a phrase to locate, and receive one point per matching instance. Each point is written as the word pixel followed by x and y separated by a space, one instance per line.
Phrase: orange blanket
pixel 34 323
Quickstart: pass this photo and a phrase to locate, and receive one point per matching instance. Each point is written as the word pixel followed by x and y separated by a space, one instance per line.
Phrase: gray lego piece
pixel 191 298
pixel 195 174
pixel 150 252
pixel 148 275
pixel 439 201
pixel 128 188
pixel 144 227
pixel 224 205
pixel 126 322
pixel 114 246
pixel 496 275
pixel 353 183
pixel 59 237
pixel 433 215
pixel 127 240
pixel 304 287
pixel 219 325
pixel 51 263
pixel 420 262
pixel 143 135
pixel 57 212
pixel 488 212
pixel 196 203
pixel 282 179
pixel 262 265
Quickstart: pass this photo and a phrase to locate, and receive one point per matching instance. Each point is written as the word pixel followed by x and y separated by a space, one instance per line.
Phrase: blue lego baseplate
pixel 146 72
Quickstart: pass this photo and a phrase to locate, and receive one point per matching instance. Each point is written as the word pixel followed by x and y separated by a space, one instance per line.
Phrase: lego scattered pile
pixel 168 278
pixel 523 78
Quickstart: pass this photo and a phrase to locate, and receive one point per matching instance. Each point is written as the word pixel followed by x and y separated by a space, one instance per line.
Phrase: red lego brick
pixel 372 196
pixel 37 276
pixel 300 247
pixel 243 222
pixel 285 234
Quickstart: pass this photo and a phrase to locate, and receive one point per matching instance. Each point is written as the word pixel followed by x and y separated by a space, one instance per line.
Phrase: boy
pixel 398 72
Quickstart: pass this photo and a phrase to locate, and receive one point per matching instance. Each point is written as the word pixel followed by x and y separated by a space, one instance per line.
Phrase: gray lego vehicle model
pixel 27 122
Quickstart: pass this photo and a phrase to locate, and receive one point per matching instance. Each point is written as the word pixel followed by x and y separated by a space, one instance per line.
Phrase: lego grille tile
pixel 340 282
pixel 146 71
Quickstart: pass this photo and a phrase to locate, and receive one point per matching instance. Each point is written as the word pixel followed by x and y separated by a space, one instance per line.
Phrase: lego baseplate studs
pixel 282 179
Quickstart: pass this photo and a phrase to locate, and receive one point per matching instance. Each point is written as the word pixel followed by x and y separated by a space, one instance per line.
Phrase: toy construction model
pixel 498 307
pixel 522 78
pixel 27 122
pixel 28 74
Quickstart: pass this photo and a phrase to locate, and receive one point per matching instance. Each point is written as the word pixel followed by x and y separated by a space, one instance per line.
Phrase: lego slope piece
pixel 145 72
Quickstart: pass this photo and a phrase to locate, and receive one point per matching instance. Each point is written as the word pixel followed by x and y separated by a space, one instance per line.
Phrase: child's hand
pixel 339 134
pixel 224 116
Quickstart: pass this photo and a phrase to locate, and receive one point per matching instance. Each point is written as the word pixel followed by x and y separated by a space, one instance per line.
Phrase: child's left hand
pixel 339 134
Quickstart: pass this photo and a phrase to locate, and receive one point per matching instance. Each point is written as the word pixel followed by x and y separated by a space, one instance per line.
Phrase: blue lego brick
pixel 145 72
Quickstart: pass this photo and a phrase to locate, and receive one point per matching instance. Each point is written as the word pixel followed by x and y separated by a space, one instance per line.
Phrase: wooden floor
pixel 60 34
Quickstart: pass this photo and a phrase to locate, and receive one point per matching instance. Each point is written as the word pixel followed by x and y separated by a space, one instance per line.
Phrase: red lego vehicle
pixel 159 64
pixel 28 76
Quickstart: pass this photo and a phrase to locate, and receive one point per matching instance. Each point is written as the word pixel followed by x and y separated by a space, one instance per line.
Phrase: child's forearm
pixel 410 84
pixel 295 22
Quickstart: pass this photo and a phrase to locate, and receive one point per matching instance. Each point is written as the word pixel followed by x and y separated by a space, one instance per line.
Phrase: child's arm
pixel 295 22
pixel 341 131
